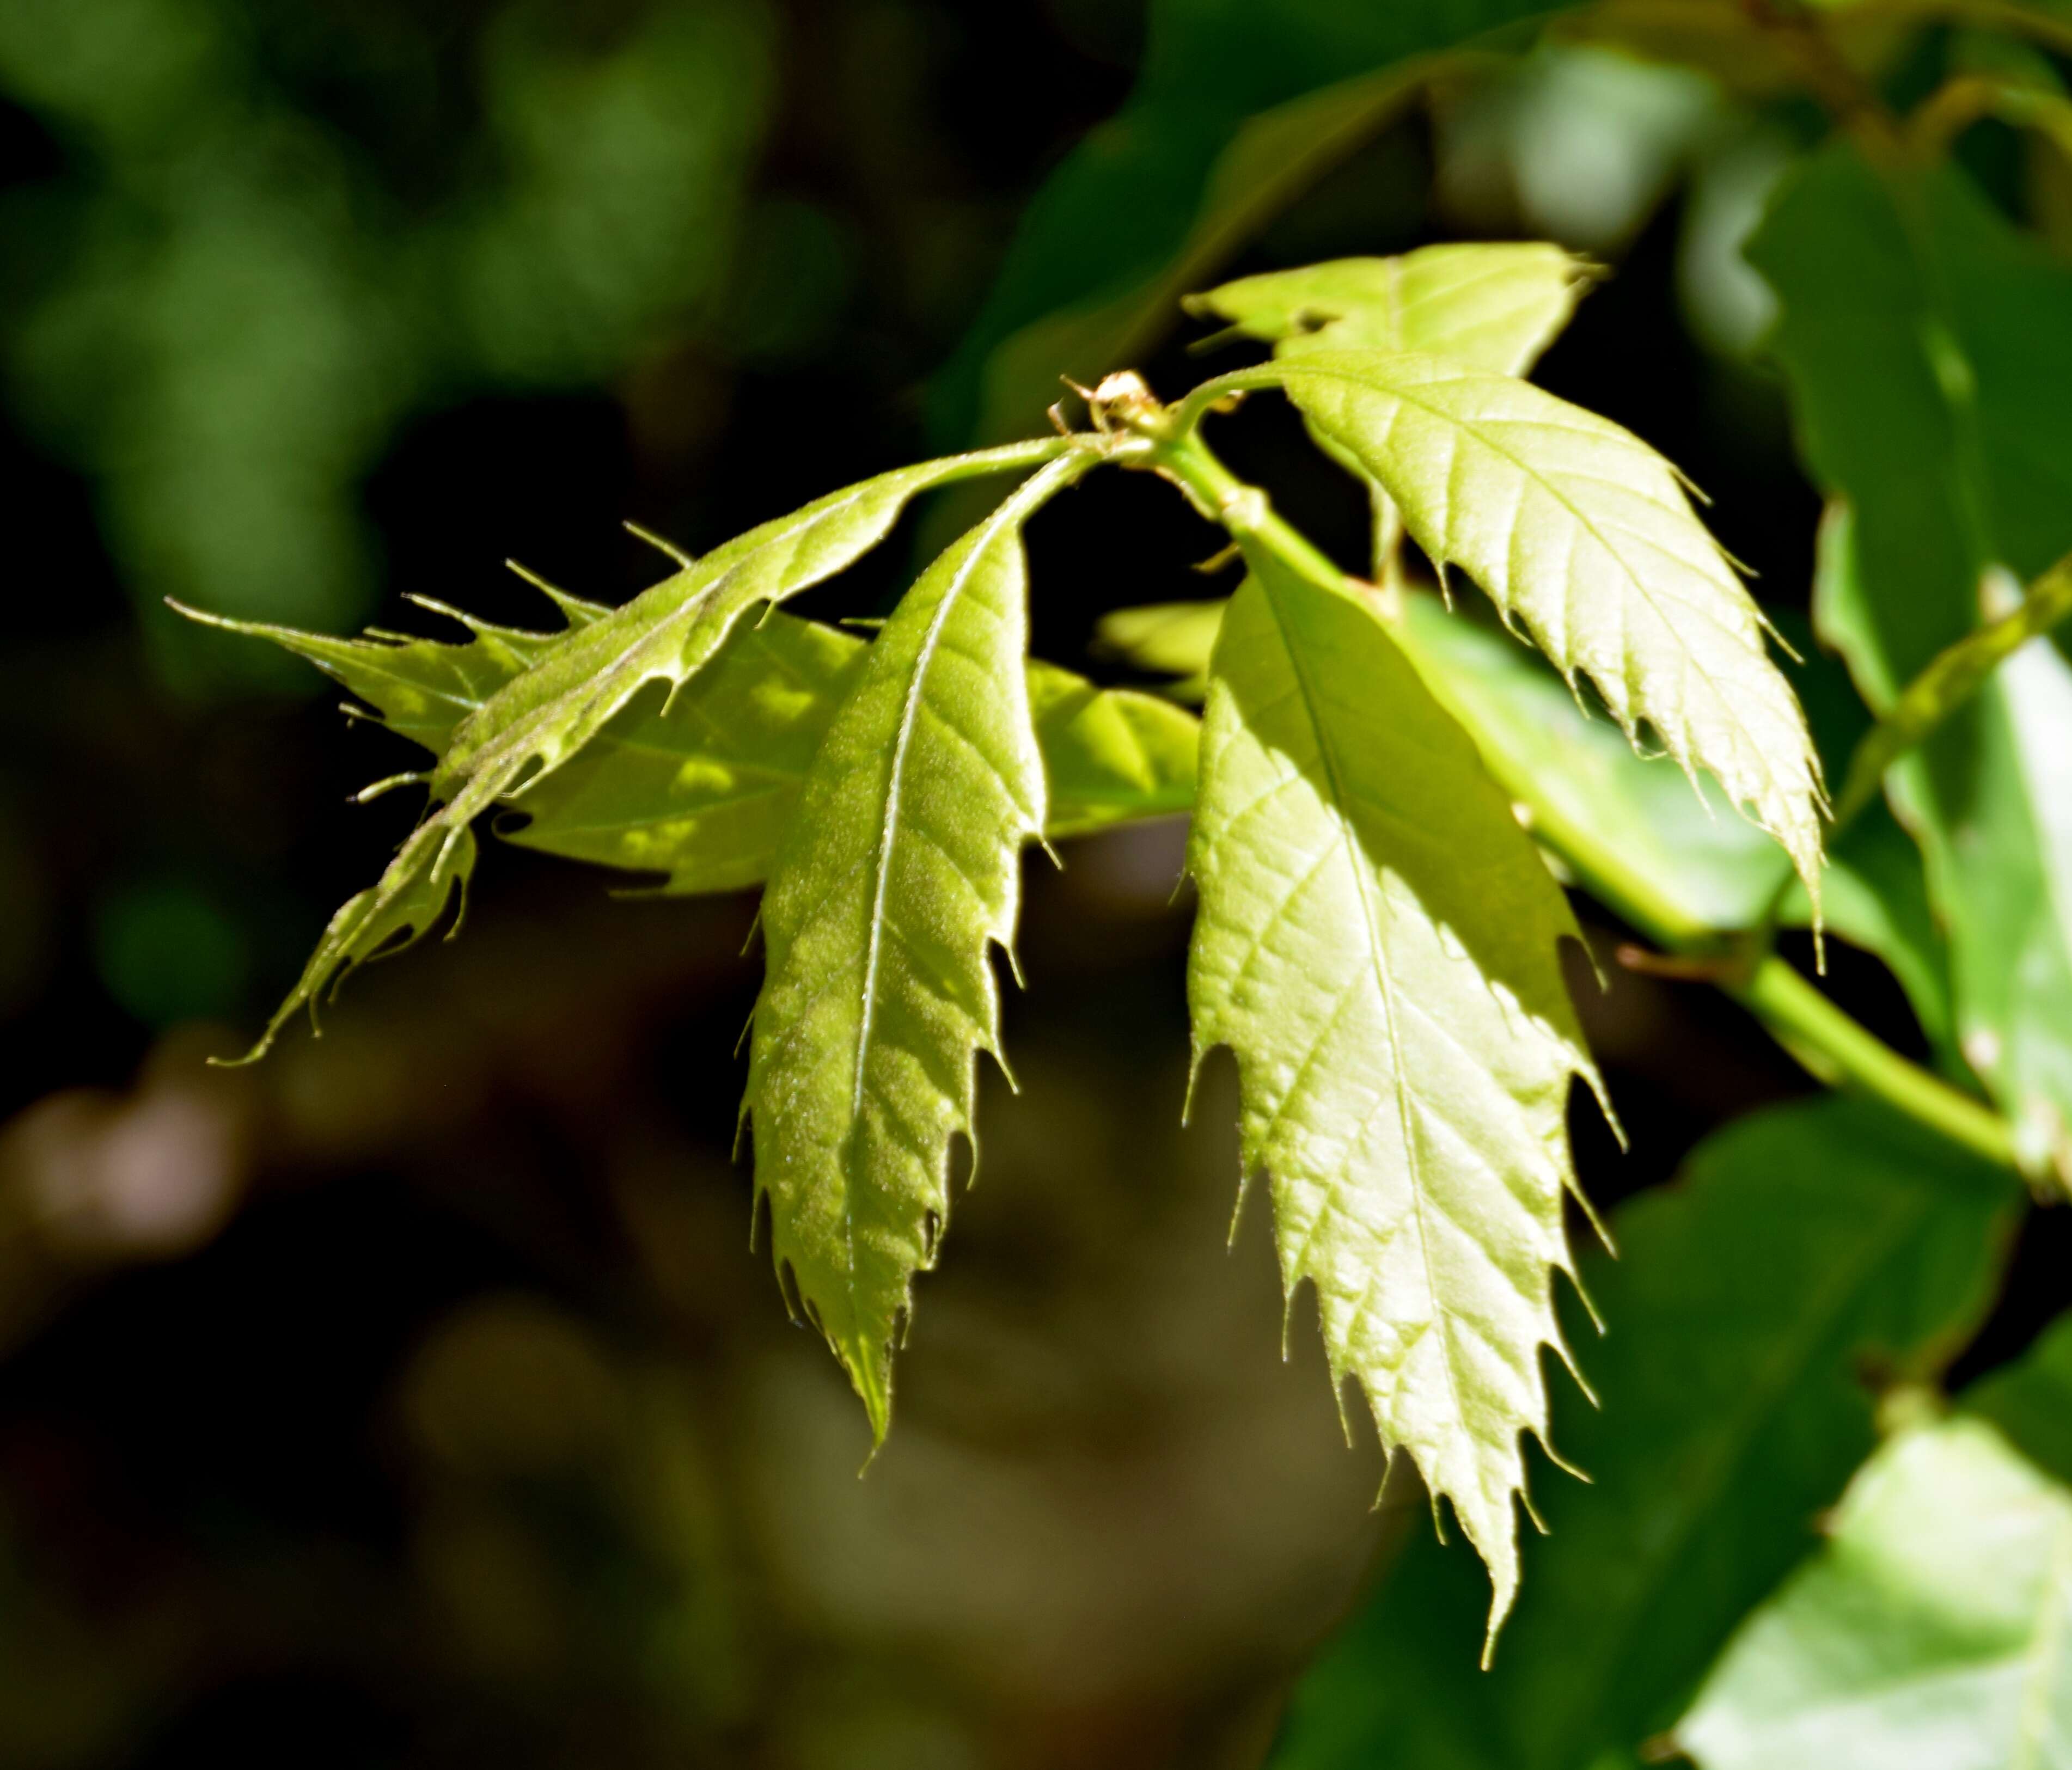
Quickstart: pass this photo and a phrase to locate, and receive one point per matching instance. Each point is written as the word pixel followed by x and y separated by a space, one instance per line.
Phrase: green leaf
pixel 1717 871
pixel 423 688
pixel 1376 943
pixel 2030 1401
pixel 1934 1629
pixel 900 872
pixel 1579 531
pixel 1800 1247
pixel 1110 756
pixel 1540 742
pixel 1929 352
pixel 701 790
pixel 564 698
pixel 1950 679
pixel 1165 639
pixel 1493 307
pixel 705 792
pixel 1489 306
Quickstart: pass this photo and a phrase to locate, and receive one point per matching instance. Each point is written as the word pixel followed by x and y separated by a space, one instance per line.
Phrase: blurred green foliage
pixel 278 230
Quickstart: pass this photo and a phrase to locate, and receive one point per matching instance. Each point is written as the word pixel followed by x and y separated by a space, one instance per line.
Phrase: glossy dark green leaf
pixel 1929 352
pixel 1801 1247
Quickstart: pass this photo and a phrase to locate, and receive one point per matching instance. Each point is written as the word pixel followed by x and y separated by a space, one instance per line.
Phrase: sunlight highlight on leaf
pixel 554 706
pixel 1580 532
pixel 1377 944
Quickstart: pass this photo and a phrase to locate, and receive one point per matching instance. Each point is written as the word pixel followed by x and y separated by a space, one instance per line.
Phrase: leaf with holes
pixel 1377 945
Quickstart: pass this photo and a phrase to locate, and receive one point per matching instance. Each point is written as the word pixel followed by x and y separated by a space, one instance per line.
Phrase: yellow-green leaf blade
pixel 1377 944
pixel 899 875
pixel 1580 532
pixel 1494 305
pixel 551 708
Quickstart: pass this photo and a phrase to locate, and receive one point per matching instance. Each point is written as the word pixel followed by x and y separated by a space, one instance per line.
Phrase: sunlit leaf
pixel 1799 1248
pixel 701 790
pixel 1934 1629
pixel 899 874
pixel 1929 348
pixel 1539 741
pixel 564 698
pixel 1493 306
pixel 1487 306
pixel 1376 943
pixel 1579 532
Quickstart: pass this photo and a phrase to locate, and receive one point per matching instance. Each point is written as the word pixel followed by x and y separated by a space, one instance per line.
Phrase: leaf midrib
pixel 1307 366
pixel 1384 983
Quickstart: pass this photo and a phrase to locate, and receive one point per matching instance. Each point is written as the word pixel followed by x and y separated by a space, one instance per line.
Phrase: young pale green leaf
pixel 1488 306
pixel 705 791
pixel 564 697
pixel 899 873
pixel 701 789
pixel 1934 1630
pixel 1799 1246
pixel 1540 743
pixel 1110 756
pixel 421 688
pixel 1165 639
pixel 1928 346
pixel 1376 943
pixel 1718 872
pixel 1579 532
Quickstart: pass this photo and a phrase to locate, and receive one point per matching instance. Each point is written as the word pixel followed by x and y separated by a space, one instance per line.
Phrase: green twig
pixel 1952 677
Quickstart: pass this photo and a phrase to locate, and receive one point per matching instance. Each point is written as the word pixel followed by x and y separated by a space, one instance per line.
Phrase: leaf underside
pixel 1376 942
pixel 1580 533
pixel 899 874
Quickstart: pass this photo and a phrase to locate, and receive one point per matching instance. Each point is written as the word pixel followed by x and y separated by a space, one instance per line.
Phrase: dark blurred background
pixel 415 1397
